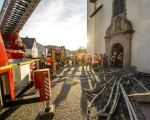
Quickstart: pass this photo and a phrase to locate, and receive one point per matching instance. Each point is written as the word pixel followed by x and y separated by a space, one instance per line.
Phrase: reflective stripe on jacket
pixel 95 57
pixel 48 60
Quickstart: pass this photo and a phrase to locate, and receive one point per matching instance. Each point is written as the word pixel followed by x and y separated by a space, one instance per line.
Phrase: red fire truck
pixel 15 72
pixel 58 54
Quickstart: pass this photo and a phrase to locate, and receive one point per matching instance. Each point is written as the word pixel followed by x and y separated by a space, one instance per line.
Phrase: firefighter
pixel 95 59
pixel 72 60
pixel 120 59
pixel 105 62
pixel 83 59
pixel 112 61
pixel 100 58
pixel 21 46
pixel 62 60
pixel 53 65
pixel 89 61
pixel 68 60
pixel 115 60
pixel 76 61
pixel 43 62
pixel 48 59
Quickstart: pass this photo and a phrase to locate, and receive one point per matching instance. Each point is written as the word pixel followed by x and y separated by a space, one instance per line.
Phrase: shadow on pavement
pixel 61 78
pixel 84 97
pixel 44 118
pixel 64 90
pixel 8 112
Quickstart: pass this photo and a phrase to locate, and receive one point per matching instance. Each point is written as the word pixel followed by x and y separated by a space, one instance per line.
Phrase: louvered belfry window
pixel 118 7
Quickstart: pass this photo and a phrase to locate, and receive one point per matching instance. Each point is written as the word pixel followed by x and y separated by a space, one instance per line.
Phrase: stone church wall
pixel 90 29
pixel 138 15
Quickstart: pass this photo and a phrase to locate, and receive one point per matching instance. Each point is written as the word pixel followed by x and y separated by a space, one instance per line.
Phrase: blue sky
pixel 1 3
pixel 58 22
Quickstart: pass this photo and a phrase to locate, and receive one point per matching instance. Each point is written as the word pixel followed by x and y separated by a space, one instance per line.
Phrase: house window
pixel 118 7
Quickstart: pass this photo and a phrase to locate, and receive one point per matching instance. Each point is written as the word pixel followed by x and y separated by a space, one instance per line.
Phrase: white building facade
pixel 120 27
pixel 31 46
pixel 34 51
pixel 42 50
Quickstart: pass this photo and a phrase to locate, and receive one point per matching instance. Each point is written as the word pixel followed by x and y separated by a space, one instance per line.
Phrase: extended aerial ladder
pixel 13 16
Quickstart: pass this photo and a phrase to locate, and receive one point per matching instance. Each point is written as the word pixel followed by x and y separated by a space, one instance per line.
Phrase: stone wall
pixel 137 14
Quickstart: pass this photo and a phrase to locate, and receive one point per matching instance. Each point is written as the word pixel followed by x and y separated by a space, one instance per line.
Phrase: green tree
pixel 30 56
pixel 82 49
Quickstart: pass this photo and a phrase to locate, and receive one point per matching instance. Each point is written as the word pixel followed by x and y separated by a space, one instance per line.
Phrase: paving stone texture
pixel 67 95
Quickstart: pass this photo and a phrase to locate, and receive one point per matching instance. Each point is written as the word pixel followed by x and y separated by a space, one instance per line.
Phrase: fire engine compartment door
pixel 5 84
pixel 17 78
pixel 22 76
pixel 25 74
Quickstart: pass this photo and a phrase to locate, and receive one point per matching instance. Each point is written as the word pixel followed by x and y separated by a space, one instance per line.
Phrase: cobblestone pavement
pixel 67 96
pixel 70 99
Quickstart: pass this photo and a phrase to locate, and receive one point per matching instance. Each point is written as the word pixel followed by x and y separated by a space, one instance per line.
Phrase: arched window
pixel 118 7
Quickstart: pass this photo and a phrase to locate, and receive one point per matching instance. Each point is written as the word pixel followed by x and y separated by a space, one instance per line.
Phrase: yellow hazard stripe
pixel 13 64
pixel 37 60
pixel 29 62
pixel 6 67
pixel 10 66
pixel 25 63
